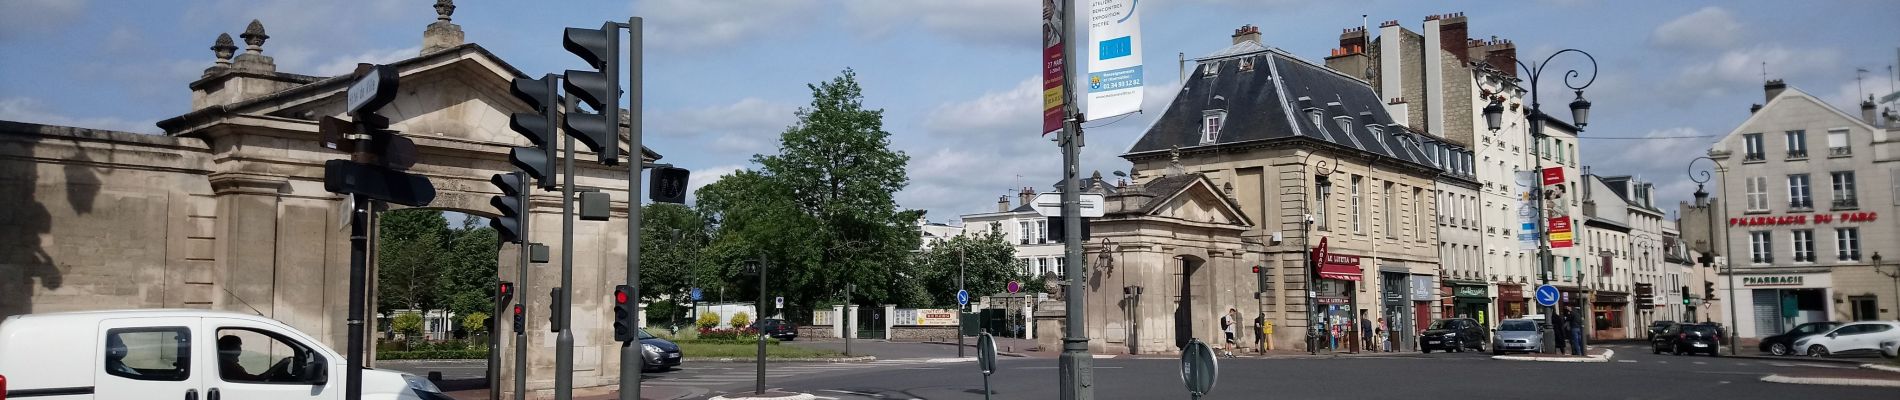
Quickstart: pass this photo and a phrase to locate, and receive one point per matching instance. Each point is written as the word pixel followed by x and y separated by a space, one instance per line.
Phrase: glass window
pixel 1322 192
pixel 1560 150
pixel 1760 248
pixel 1358 225
pixel 1025 230
pixel 1804 245
pixel 253 356
pixel 1837 142
pixel 1752 141
pixel 1798 193
pixel 1847 244
pixel 1211 122
pixel 1844 189
pixel 1757 193
pixel 1797 143
pixel 149 353
pixel 1418 212
pixel 1391 216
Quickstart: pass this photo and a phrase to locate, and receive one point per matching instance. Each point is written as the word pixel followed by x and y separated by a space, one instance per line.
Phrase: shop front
pixel 1339 277
pixel 1511 302
pixel 1773 303
pixel 1471 301
pixel 1609 313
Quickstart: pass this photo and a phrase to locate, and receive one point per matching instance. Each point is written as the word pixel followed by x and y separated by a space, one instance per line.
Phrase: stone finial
pixel 444 9
pixel 224 48
pixel 254 37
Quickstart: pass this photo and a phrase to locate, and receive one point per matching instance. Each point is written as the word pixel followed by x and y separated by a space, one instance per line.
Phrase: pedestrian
pixel 1385 336
pixel 1365 332
pixel 1227 322
pixel 1560 330
pixel 1260 332
pixel 1576 334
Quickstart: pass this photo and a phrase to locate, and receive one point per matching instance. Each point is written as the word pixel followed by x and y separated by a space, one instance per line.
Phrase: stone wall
pixel 816 331
pixel 922 333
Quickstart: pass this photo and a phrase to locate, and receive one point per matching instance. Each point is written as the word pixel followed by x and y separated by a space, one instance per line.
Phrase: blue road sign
pixel 695 294
pixel 963 297
pixel 1547 295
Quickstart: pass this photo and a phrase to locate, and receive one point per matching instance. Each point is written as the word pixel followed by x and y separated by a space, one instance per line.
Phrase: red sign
pixel 1553 175
pixel 1052 71
pixel 1560 233
pixel 1510 293
pixel 1336 266
pixel 1804 219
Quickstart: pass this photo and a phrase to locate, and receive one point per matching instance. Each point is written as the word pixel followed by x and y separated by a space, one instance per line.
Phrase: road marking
pixel 1701 363
pixel 1626 361
pixel 869 394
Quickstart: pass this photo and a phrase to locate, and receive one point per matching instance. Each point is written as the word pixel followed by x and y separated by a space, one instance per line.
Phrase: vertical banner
pixel 1556 207
pixel 1526 210
pixel 1052 72
pixel 1115 68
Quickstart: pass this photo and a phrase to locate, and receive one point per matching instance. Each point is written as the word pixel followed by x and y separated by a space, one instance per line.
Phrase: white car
pixel 179 354
pixel 1865 337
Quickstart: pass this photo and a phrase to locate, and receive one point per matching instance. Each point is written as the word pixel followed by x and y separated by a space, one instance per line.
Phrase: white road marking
pixel 1626 361
pixel 1701 363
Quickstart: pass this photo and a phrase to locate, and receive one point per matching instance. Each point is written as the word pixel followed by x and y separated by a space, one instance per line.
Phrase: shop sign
pixel 1471 291
pixel 1804 219
pixel 936 317
pixel 1329 300
pixel 1422 287
pixel 1510 293
pixel 1792 280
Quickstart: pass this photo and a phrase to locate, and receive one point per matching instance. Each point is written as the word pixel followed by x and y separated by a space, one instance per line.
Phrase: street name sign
pixel 1050 204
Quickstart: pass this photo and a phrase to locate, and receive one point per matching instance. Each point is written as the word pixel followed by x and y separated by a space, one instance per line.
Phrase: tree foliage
pixel 986 260
pixel 410 246
pixel 820 213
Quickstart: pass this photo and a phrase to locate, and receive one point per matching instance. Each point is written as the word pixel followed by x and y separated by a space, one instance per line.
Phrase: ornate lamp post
pixel 1580 113
pixel 1708 258
pixel 1306 246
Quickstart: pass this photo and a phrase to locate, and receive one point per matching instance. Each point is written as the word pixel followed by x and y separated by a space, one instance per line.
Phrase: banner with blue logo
pixel 1114 82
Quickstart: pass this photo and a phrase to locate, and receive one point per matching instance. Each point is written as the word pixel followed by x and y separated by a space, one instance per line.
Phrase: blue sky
pixel 957 79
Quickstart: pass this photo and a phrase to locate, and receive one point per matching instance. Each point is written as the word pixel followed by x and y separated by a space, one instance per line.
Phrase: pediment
pixel 1199 201
pixel 462 99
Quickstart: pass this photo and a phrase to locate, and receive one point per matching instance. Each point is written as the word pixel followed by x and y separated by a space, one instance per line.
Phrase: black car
pixel 1452 334
pixel 1657 328
pixel 658 354
pixel 1783 344
pixel 777 329
pixel 1689 339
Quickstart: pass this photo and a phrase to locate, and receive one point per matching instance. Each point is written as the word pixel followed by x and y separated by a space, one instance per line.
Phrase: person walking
pixel 1385 336
pixel 1365 332
pixel 1227 322
pixel 1560 330
pixel 1576 334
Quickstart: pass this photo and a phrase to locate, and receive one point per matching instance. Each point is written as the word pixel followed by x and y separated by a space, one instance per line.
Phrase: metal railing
pixel 1848 202
pixel 1801 204
pixel 1754 157
pixel 1797 154
pixel 1840 151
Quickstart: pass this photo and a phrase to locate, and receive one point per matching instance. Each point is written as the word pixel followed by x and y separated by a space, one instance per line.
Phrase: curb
pixel 973 345
pixel 791 396
pixel 1832 381
pixel 1794 359
pixel 1878 367
pixel 749 360
pixel 1605 357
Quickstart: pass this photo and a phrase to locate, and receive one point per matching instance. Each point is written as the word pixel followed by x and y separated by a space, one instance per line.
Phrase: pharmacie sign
pixel 1771 281
pixel 1805 219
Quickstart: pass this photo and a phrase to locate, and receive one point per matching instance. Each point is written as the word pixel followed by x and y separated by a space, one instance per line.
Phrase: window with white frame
pixel 1760 248
pixel 1025 231
pixel 1799 195
pixel 1418 212
pixel 1358 184
pixel 1042 265
pixel 1847 244
pixel 1752 142
pixel 1062 265
pixel 1803 245
pixel 1211 122
pixel 1757 193
pixel 1837 143
pixel 1391 216
pixel 1042 231
pixel 1844 189
pixel 1797 143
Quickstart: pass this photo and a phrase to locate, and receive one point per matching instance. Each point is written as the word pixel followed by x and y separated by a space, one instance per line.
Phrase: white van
pixel 178 354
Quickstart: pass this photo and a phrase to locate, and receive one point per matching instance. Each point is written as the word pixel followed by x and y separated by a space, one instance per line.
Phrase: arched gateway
pixel 227 210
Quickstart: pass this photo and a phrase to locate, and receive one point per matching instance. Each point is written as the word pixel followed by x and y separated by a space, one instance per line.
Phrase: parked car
pixel 1517 335
pixel 1657 328
pixel 180 354
pixel 1452 334
pixel 1783 344
pixel 777 328
pixel 1687 339
pixel 658 354
pixel 1863 337
pixel 1890 348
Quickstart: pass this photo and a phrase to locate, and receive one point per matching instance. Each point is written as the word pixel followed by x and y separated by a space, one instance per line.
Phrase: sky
pixel 957 79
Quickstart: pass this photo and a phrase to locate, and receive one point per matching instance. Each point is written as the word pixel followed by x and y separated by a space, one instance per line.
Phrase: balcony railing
pixel 1797 154
pixel 1853 256
pixel 1801 204
pixel 1840 151
pixel 1845 203
pixel 1754 157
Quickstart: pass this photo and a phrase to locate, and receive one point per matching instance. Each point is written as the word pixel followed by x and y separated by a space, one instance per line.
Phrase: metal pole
pixel 849 330
pixel 494 343
pixel 1733 319
pixel 521 284
pixel 1077 366
pixel 960 307
pixel 760 389
pixel 564 340
pixel 636 161
pixel 359 276
pixel 1543 234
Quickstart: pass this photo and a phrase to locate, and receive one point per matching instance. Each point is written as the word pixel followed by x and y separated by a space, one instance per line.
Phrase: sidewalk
pixel 1006 347
pixel 1868 375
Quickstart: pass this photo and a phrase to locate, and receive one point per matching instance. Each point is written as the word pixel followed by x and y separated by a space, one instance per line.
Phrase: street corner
pixel 1869 375
pixel 1596 356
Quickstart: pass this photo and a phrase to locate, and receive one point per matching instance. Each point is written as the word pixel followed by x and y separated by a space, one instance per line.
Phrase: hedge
pixel 768 341
pixel 432 355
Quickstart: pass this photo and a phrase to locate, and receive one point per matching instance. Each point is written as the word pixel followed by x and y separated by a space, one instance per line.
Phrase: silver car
pixel 1517 335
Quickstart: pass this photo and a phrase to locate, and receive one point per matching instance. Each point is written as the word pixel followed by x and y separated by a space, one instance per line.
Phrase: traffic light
pixel 554 310
pixel 521 319
pixel 598 88
pixel 669 185
pixel 537 126
pixel 508 223
pixel 1708 290
pixel 626 323
pixel 505 293
pixel 1260 279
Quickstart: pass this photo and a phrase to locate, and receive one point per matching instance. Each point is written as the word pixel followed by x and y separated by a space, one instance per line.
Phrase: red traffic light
pixel 507 288
pixel 517 310
pixel 1256 269
pixel 620 297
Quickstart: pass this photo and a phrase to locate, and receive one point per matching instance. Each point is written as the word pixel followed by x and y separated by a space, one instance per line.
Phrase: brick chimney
pixel 1026 196
pixel 1453 33
pixel 1867 111
pixel 1350 58
pixel 1247 33
pixel 1498 53
pixel 1773 88
pixel 1002 203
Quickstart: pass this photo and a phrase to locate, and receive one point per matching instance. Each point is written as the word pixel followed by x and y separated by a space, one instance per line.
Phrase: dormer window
pixel 1344 122
pixel 1210 68
pixel 1246 64
pixel 1211 122
pixel 1318 117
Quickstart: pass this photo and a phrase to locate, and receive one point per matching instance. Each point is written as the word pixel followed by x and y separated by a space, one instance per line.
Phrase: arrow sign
pixel 1547 295
pixel 963 297
pixel 696 294
pixel 1050 204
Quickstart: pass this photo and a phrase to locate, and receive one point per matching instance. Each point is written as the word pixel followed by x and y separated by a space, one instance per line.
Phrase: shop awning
pixel 1344 272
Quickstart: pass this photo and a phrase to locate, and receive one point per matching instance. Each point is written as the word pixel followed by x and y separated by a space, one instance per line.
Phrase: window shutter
pixel 1837 139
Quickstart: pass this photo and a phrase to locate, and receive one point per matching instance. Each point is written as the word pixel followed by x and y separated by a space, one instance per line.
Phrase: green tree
pixel 469 262
pixel 409 325
pixel 409 252
pixel 987 261
pixel 475 322
pixel 820 212
pixel 672 238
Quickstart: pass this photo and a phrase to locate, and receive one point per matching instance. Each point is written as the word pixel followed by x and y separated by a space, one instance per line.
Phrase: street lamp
pixel 1306 248
pixel 1708 260
pixel 1580 114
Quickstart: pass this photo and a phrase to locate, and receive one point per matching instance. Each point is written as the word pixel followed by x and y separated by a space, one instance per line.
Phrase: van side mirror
pixel 316 372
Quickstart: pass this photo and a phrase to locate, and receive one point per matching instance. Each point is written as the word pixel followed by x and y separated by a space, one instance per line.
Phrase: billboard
pixel 1052 71
pixel 1556 208
pixel 1526 197
pixel 1115 58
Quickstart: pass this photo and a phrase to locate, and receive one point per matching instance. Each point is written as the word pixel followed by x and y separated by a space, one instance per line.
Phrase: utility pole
pixel 636 161
pixel 564 338
pixel 760 385
pixel 1077 366
pixel 960 307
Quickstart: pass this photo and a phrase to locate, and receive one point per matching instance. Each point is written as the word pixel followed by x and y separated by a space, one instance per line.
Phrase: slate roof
pixel 1272 101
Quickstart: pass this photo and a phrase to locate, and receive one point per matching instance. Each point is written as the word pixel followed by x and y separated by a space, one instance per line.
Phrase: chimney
pixel 1867 112
pixel 1247 33
pixel 1754 107
pixel 1350 58
pixel 1002 203
pixel 1499 53
pixel 1026 196
pixel 442 34
pixel 1773 88
pixel 1453 34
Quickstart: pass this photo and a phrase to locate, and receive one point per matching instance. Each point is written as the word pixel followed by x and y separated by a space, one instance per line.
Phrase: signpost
pixel 1547 295
pixel 1050 204
pixel 1199 368
pixel 963 297
pixel 986 359
pixel 697 294
pixel 1013 287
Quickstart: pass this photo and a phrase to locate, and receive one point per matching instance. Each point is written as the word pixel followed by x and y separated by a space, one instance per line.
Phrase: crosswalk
pixel 716 375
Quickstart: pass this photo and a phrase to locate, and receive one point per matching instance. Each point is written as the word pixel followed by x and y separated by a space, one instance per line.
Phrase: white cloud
pixel 705 176
pixel 1008 112
pixel 27 109
pixel 1004 22
pixel 749 125
pixel 1742 68
pixel 688 24
pixel 347 63
pixel 1711 27
pixel 21 17
pixel 1662 161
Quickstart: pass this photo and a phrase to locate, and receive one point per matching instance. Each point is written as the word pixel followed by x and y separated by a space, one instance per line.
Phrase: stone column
pixel 890 320
pixel 837 321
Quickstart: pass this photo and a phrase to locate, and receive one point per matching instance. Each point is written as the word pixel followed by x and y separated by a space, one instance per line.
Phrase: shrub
pixel 407 324
pixel 717 334
pixel 432 355
pixel 475 322
pixel 707 320
pixel 740 320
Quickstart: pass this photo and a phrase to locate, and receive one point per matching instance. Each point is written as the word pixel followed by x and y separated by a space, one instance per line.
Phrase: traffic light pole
pixel 521 301
pixel 759 387
pixel 359 270
pixel 630 363
pixel 1077 366
pixel 564 340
